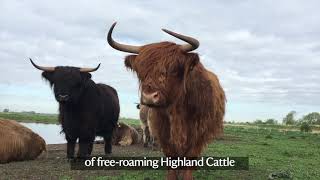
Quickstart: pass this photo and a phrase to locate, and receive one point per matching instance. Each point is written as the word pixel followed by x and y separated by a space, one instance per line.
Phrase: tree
pixel 305 127
pixel 6 110
pixel 258 121
pixel 289 119
pixel 271 121
pixel 312 118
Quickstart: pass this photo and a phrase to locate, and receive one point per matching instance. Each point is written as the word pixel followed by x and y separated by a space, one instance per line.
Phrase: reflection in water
pixel 49 132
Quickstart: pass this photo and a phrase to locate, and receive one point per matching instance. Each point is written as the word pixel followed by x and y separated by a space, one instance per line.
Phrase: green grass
pixel 30 117
pixel 269 151
pixel 134 122
pixel 273 126
pixel 48 118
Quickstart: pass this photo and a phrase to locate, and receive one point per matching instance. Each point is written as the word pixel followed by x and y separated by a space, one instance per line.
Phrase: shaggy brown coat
pixel 125 135
pixel 18 143
pixel 192 103
pixel 195 111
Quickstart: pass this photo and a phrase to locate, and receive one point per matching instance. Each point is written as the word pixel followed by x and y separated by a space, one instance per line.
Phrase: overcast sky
pixel 266 53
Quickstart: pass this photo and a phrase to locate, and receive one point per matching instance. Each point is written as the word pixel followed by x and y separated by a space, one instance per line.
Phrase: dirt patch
pixel 54 164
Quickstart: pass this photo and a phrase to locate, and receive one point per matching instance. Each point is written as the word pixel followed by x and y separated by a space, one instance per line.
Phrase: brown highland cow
pixel 125 135
pixel 18 143
pixel 144 121
pixel 187 101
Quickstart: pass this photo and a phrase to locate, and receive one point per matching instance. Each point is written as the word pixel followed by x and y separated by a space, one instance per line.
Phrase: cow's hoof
pixel 70 157
pixel 108 152
pixel 83 157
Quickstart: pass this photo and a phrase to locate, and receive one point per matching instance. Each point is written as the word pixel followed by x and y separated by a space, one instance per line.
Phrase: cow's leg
pixel 155 145
pixel 107 144
pixel 187 174
pixel 145 143
pixel 71 143
pixel 85 146
pixel 90 148
pixel 172 175
pixel 146 136
pixel 193 152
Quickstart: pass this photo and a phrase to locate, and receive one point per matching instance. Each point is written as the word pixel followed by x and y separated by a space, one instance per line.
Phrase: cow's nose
pixel 63 97
pixel 151 97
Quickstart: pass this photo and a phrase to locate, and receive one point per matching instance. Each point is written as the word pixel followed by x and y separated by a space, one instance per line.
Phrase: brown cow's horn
pixel 193 43
pixel 48 69
pixel 121 47
pixel 89 69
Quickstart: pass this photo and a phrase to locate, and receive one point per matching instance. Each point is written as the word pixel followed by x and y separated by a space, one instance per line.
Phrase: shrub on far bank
pixel 305 127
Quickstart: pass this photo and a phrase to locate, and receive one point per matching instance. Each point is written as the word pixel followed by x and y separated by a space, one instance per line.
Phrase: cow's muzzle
pixel 150 98
pixel 63 97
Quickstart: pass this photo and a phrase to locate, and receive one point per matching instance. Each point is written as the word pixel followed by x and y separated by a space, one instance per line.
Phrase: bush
pixel 271 121
pixel 305 127
pixel 268 136
pixel 258 121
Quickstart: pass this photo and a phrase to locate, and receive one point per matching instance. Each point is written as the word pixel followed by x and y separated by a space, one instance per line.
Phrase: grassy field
pixel 30 117
pixel 290 154
pixel 46 118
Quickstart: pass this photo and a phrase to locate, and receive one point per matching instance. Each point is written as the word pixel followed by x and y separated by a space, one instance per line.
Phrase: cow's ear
pixel 129 61
pixel 85 75
pixel 191 61
pixel 48 76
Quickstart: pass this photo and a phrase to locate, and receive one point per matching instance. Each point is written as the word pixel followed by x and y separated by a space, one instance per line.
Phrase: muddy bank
pixel 54 164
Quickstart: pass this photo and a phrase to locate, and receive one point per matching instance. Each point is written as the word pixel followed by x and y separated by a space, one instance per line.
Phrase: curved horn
pixel 121 47
pixel 193 43
pixel 42 68
pixel 89 69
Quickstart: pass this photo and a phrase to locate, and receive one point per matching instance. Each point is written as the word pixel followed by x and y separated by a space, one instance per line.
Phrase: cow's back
pixel 219 100
pixel 18 142
pixel 110 105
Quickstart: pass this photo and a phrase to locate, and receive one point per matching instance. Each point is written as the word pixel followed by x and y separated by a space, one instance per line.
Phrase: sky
pixel 265 53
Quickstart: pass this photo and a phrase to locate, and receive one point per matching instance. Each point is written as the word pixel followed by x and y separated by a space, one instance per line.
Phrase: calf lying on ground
pixel 18 143
pixel 125 135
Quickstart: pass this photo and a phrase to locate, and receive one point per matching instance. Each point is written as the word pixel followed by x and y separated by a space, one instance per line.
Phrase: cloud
pixel 264 52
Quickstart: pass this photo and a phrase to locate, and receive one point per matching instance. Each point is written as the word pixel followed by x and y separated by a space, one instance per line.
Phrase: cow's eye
pixel 163 73
pixel 173 73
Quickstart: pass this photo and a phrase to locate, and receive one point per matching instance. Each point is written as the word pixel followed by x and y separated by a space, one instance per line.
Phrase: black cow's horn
pixel 192 43
pixel 121 47
pixel 42 68
pixel 89 69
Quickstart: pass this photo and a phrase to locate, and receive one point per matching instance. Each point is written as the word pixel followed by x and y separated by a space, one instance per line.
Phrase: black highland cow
pixel 86 109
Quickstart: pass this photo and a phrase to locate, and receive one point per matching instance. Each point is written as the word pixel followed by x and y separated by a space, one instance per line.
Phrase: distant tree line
pixel 267 121
pixel 311 118
pixel 305 122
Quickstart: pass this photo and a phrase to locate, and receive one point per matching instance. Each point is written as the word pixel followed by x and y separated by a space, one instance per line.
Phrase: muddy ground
pixel 54 164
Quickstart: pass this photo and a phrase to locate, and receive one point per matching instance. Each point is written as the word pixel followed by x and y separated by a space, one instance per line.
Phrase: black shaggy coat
pixel 95 114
